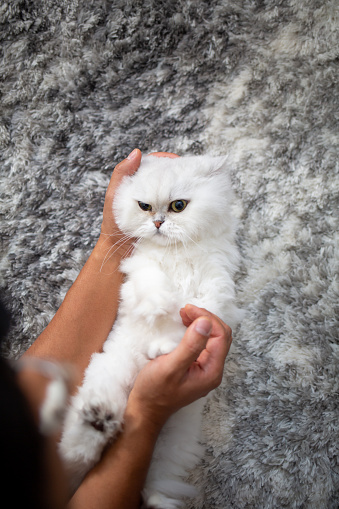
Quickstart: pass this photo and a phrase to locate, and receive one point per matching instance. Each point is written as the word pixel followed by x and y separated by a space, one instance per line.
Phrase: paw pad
pixel 100 419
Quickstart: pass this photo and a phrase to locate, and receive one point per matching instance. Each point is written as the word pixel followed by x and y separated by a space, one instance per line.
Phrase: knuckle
pixel 119 171
pixel 119 166
pixel 205 311
pixel 228 331
pixel 225 331
pixel 217 380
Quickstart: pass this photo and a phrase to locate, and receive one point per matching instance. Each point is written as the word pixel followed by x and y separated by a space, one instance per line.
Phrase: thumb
pixel 192 344
pixel 126 168
pixel 129 165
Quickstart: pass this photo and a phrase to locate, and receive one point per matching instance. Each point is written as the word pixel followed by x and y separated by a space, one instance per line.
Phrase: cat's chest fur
pixel 182 270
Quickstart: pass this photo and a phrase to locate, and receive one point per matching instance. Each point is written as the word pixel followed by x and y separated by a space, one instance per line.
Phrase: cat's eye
pixel 145 206
pixel 178 205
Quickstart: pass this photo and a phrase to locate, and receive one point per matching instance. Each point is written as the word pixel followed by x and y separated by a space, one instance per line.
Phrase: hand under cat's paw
pixel 159 347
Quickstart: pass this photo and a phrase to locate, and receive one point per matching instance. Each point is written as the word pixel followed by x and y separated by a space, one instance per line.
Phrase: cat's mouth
pixel 160 237
pixel 158 229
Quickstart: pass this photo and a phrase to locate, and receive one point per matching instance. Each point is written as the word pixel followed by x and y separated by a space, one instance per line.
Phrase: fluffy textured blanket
pixel 83 82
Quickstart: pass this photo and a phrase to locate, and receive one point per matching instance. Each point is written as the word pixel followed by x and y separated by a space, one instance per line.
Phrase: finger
pixel 126 168
pixel 129 165
pixel 191 345
pixel 191 313
pixel 214 355
pixel 164 154
pixel 211 363
pixel 184 317
pixel 212 358
pixel 194 312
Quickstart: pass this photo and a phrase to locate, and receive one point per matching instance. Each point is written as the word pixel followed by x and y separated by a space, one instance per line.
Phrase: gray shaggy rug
pixel 82 83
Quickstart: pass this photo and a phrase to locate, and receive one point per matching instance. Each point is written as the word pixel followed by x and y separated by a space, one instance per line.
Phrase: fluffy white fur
pixel 191 258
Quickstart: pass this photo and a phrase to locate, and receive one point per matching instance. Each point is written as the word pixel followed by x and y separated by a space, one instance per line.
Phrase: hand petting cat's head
pixel 172 201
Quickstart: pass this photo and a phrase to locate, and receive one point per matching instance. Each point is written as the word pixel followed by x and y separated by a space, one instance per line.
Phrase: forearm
pixel 86 316
pixel 117 480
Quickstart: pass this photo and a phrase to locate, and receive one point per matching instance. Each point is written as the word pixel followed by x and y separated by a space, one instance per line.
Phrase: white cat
pixel 180 212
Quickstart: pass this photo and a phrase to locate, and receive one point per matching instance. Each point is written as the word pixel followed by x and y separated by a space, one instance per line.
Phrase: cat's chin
pixel 160 239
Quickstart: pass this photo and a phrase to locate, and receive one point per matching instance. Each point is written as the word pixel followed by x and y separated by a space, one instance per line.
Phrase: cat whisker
pixel 175 245
pixel 110 247
pixel 131 248
pixel 185 247
pixel 169 244
pixel 116 233
pixel 201 248
pixel 119 243
pixel 176 249
pixel 183 239
pixel 128 252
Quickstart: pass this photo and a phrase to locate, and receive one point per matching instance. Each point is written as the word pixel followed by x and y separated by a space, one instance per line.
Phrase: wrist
pixel 115 247
pixel 142 423
pixel 105 254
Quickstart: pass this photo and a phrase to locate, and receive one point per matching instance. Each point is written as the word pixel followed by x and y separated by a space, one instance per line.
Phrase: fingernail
pixel 203 326
pixel 133 154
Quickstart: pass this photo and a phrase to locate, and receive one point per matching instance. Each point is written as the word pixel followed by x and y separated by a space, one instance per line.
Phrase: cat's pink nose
pixel 157 224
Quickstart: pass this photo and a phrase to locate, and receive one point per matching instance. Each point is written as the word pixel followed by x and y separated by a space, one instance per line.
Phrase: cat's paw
pixel 159 347
pixel 106 420
pixel 154 305
pixel 149 310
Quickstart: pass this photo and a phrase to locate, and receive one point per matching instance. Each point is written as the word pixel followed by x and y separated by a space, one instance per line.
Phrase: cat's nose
pixel 157 224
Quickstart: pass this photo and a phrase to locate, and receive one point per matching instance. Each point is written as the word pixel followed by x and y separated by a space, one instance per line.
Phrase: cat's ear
pixel 218 165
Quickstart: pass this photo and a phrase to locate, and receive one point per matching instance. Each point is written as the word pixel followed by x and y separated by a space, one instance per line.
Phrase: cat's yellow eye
pixel 145 206
pixel 178 205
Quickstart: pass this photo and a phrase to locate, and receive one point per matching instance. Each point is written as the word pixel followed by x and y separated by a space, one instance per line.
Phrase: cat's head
pixel 175 200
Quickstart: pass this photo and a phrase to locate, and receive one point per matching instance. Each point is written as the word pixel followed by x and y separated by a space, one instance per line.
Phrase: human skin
pixel 80 327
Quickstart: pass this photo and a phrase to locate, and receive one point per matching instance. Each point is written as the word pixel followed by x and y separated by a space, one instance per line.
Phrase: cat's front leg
pixel 217 295
pixel 227 309
pixel 160 347
pixel 96 411
pixel 149 291
pixel 166 338
pixel 88 427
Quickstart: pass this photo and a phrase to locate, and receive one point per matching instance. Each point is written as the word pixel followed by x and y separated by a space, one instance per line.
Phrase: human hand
pixel 170 155
pixel 190 372
pixel 109 228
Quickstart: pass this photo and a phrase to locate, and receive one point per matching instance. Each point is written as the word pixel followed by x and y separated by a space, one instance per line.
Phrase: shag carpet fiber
pixel 82 83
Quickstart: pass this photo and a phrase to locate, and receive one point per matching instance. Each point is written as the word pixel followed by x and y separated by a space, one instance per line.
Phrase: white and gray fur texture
pixel 179 210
